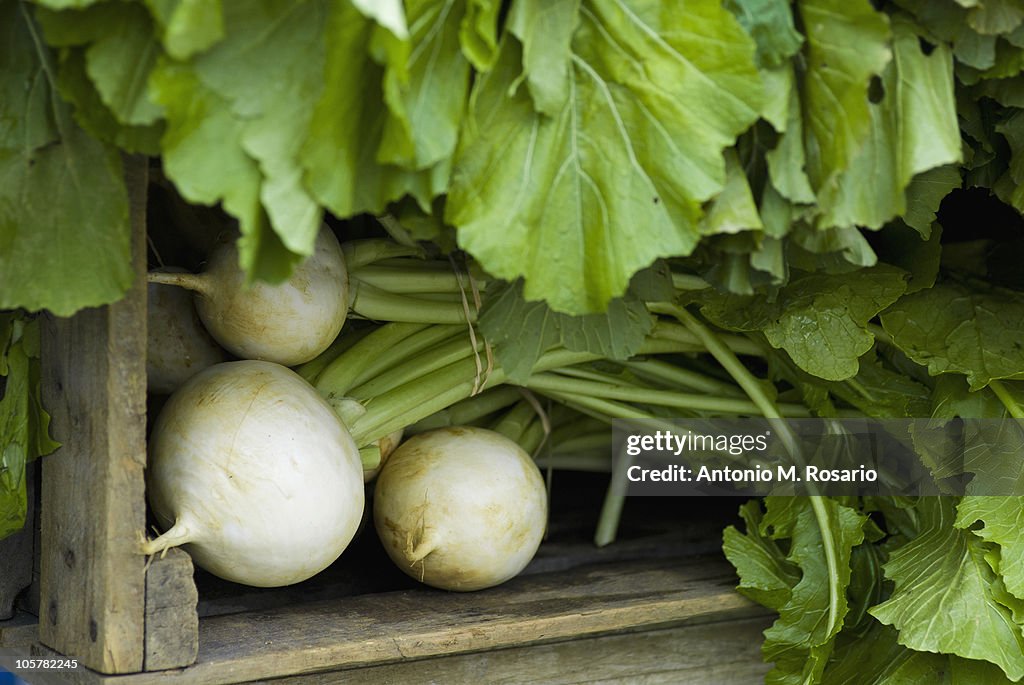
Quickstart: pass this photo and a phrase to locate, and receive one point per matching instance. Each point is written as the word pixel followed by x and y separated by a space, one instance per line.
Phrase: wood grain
pixel 92 585
pixel 172 624
pixel 706 654
pixel 393 627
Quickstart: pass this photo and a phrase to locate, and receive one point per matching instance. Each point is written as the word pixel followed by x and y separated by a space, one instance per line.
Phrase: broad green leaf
pixel 545 28
pixel 801 641
pixel 954 328
pixel 92 114
pixel 819 319
pixel 203 154
pixel 268 68
pixel 947 20
pixel 64 232
pixel 1003 524
pixel 946 597
pixel 522 330
pixel 433 98
pixel 340 154
pixel 120 54
pixel 876 658
pixel 912 130
pixel 770 23
pixel 578 202
pixel 188 27
pixel 847 44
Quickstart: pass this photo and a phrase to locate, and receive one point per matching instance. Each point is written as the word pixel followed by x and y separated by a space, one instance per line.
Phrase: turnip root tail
pixel 195 282
pixel 418 549
pixel 179 534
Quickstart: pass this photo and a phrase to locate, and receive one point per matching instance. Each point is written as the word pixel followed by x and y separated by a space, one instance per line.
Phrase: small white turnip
pixel 289 323
pixel 460 508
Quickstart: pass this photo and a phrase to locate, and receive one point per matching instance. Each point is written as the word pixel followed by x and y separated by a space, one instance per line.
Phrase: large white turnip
pixel 254 472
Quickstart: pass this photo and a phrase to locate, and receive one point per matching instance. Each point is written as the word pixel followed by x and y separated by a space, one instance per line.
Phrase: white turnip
pixel 177 344
pixel 254 472
pixel 460 508
pixel 289 323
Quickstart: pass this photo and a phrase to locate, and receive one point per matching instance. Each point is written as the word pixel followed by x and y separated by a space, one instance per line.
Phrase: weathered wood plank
pixel 17 555
pixel 392 627
pixel 172 624
pixel 93 510
pixel 706 654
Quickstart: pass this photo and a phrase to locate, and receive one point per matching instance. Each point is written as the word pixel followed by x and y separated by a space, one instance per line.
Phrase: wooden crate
pixel 660 608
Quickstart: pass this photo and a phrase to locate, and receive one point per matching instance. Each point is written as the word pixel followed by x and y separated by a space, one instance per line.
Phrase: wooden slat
pixel 93 509
pixel 172 624
pixel 371 630
pixel 17 555
pixel 707 654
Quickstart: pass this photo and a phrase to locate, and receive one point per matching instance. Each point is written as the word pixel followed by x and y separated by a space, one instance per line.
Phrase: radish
pixel 254 471
pixel 177 345
pixel 289 323
pixel 460 508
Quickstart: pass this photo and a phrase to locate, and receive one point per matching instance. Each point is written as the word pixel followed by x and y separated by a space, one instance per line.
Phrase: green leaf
pixel 876 658
pixel 912 130
pixel 578 202
pixel 925 193
pixel 800 642
pixel 734 209
pixel 954 328
pixel 122 51
pixel 770 23
pixel 847 44
pixel 787 162
pixel 479 33
pixel 268 67
pixel 522 330
pixel 340 154
pixel 23 425
pixel 766 576
pixel 1003 524
pixel 996 16
pixel 92 114
pixel 946 597
pixel 545 28
pixel 188 27
pixel 203 154
pixel 819 319
pixel 64 232
pixel 433 99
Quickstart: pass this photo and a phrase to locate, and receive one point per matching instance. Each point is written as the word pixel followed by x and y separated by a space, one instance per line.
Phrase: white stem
pixel 179 534
pixel 196 282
